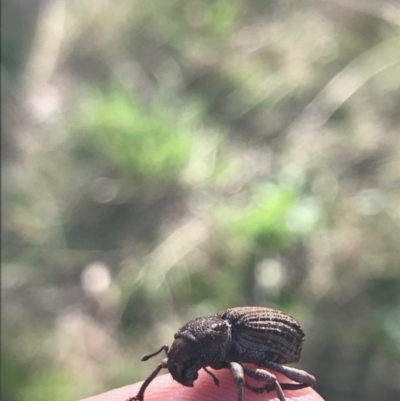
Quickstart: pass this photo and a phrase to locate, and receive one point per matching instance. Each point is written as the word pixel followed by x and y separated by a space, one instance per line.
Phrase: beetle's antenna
pixel 163 348
pixel 139 395
pixel 216 381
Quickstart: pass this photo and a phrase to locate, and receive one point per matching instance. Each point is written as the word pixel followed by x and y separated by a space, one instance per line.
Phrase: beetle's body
pixel 261 336
pixel 264 334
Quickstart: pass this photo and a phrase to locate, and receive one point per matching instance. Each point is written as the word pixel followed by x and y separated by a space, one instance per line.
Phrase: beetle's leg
pixel 270 387
pixel 293 386
pixel 163 348
pixel 299 376
pixel 268 377
pixel 139 395
pixel 216 381
pixel 238 377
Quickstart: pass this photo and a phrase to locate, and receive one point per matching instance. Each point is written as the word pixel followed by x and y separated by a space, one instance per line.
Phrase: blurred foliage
pixel 265 220
pixel 138 142
pixel 165 160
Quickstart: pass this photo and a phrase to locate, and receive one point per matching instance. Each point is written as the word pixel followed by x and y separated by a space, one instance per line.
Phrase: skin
pixel 164 388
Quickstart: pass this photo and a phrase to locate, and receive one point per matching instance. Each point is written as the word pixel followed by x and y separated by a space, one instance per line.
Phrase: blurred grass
pixel 147 144
pixel 265 220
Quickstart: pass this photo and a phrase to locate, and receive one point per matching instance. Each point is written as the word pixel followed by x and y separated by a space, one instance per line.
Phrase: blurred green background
pixel 163 160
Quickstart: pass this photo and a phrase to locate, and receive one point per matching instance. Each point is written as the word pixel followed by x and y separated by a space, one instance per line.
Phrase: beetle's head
pixel 201 342
pixel 184 360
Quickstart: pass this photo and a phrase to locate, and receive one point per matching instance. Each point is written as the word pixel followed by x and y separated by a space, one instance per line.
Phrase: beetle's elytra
pixel 251 334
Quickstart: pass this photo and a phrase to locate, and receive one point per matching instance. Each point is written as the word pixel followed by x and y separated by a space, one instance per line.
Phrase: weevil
pixel 261 336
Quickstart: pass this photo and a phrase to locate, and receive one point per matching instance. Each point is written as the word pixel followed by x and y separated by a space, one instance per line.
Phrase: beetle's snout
pixel 183 361
pixel 185 376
